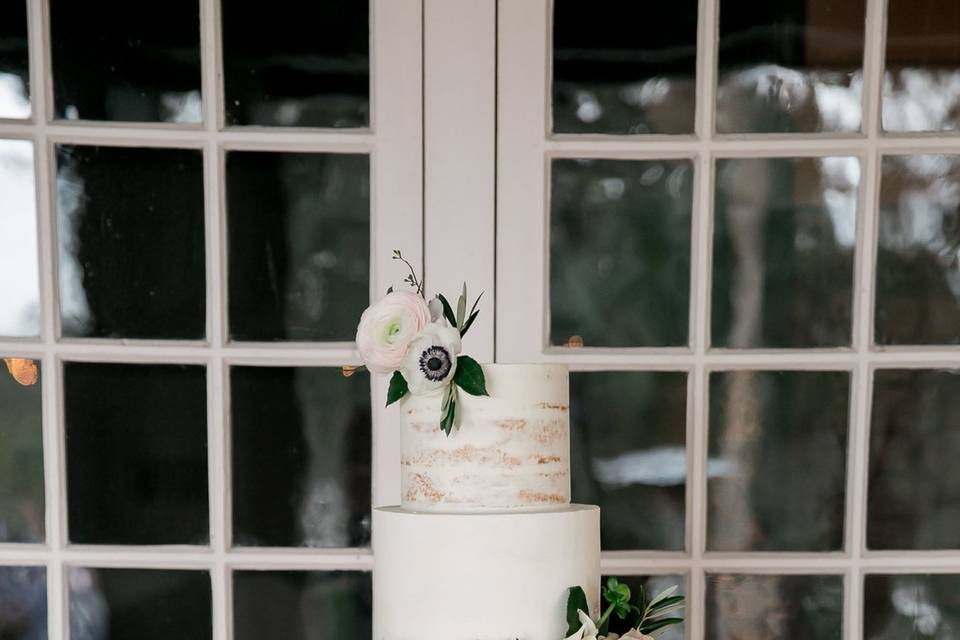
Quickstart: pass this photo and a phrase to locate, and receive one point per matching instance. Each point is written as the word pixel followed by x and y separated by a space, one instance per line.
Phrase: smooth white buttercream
pixel 490 576
pixel 511 450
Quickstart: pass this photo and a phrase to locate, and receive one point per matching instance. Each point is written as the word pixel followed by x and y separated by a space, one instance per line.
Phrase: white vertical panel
pixel 396 195
pixel 459 156
pixel 521 173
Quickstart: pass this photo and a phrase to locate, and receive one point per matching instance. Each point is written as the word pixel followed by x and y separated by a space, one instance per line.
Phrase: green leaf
pixel 398 388
pixel 449 410
pixel 448 311
pixel 462 306
pixel 662 611
pixel 653 625
pixel 615 592
pixel 466 325
pixel 666 593
pixel 576 601
pixel 664 603
pixel 469 376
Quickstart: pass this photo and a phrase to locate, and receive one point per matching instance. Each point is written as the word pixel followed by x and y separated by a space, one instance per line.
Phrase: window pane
pixel 914 498
pixel 14 61
pixel 301 457
pixel 302 605
pixel 131 242
pixel 774 607
pixel 131 61
pixel 620 252
pixel 624 67
pixel 23 603
pixel 139 604
pixel 783 246
pixel 299 243
pixel 628 436
pixel 777 469
pixel 918 257
pixel 21 453
pixel 652 585
pixel 136 453
pixel 911 606
pixel 301 64
pixel 923 66
pixel 792 66
pixel 19 276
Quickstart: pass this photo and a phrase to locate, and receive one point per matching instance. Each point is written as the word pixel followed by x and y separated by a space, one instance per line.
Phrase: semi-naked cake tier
pixel 488 576
pixel 511 450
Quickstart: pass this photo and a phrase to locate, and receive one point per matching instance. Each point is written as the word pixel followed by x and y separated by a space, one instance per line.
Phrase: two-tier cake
pixel 486 542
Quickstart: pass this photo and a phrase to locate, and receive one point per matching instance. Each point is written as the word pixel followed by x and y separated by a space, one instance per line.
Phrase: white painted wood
pixel 459 157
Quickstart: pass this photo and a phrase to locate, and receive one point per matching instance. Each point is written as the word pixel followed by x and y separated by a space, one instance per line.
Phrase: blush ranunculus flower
pixel 431 360
pixel 387 327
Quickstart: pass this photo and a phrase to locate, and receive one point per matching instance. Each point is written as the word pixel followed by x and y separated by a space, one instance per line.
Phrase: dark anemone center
pixel 434 364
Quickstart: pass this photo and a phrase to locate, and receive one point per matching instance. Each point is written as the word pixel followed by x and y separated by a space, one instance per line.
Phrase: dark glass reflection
pixel 922 66
pixel 14 61
pixel 21 453
pixel 299 244
pixel 19 275
pixel 628 437
pixel 301 440
pixel 129 61
pixel 139 604
pixel 911 606
pixel 914 496
pixel 131 242
pixel 302 605
pixel 304 64
pixel 652 585
pixel 783 248
pixel 23 603
pixel 624 67
pixel 136 447
pixel 774 607
pixel 790 66
pixel 620 252
pixel 918 255
pixel 777 470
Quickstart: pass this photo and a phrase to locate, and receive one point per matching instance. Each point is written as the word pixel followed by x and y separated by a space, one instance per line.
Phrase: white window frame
pixel 524 149
pixel 394 141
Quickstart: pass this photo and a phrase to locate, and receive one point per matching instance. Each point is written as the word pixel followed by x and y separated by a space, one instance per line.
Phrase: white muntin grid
pixel 394 143
pixel 525 148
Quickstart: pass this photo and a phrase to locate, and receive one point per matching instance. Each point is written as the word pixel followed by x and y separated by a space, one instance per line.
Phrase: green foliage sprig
pixel 645 616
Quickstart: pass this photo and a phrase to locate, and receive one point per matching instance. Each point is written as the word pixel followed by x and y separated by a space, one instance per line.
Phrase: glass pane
pixel 302 605
pixel 136 453
pixel 301 457
pixel 130 61
pixel 774 607
pixel 777 470
pixel 628 435
pixel 23 603
pixel 790 66
pixel 783 246
pixel 301 64
pixel 652 585
pixel 914 502
pixel 131 242
pixel 911 606
pixel 21 453
pixel 299 244
pixel 14 62
pixel 139 604
pixel 620 252
pixel 624 67
pixel 918 256
pixel 19 276
pixel 923 66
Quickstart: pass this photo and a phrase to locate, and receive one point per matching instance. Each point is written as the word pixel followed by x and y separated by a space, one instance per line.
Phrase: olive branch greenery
pixel 646 616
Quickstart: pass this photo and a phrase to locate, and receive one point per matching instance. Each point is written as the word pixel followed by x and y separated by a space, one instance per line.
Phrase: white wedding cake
pixel 486 542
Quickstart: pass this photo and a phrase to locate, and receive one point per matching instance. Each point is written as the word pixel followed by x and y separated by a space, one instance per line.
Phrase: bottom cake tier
pixel 481 576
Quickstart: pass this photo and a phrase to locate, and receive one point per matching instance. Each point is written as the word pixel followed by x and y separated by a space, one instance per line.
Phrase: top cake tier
pixel 510 452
